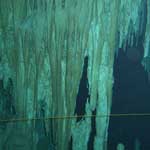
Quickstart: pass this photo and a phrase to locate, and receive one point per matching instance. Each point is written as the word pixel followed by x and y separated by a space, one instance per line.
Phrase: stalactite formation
pixel 43 45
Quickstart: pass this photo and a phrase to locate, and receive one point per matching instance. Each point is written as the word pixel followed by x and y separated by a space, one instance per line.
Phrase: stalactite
pixel 146 59
pixel 130 21
pixel 43 47
pixel 147 33
pixel 43 66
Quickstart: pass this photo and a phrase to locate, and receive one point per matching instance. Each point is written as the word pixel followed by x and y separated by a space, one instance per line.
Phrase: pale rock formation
pixel 42 49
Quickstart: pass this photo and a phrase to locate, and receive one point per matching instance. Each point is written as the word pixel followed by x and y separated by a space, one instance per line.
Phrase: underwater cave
pixel 131 95
pixel 66 66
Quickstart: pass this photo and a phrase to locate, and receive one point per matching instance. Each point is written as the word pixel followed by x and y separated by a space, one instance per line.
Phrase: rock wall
pixel 43 44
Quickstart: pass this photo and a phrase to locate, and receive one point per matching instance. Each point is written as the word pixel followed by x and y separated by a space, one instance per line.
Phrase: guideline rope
pixel 74 117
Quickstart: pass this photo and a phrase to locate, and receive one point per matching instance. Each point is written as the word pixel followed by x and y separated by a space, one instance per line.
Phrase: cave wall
pixel 43 46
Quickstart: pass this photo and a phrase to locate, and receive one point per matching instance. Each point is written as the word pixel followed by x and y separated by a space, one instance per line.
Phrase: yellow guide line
pixel 74 117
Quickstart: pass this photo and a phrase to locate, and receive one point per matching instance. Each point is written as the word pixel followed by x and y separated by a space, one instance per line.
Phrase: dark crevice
pixel 6 99
pixel 83 93
pixel 63 3
pixel 93 132
pixel 53 5
pixel 44 139
pixel 70 144
pixel 7 109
